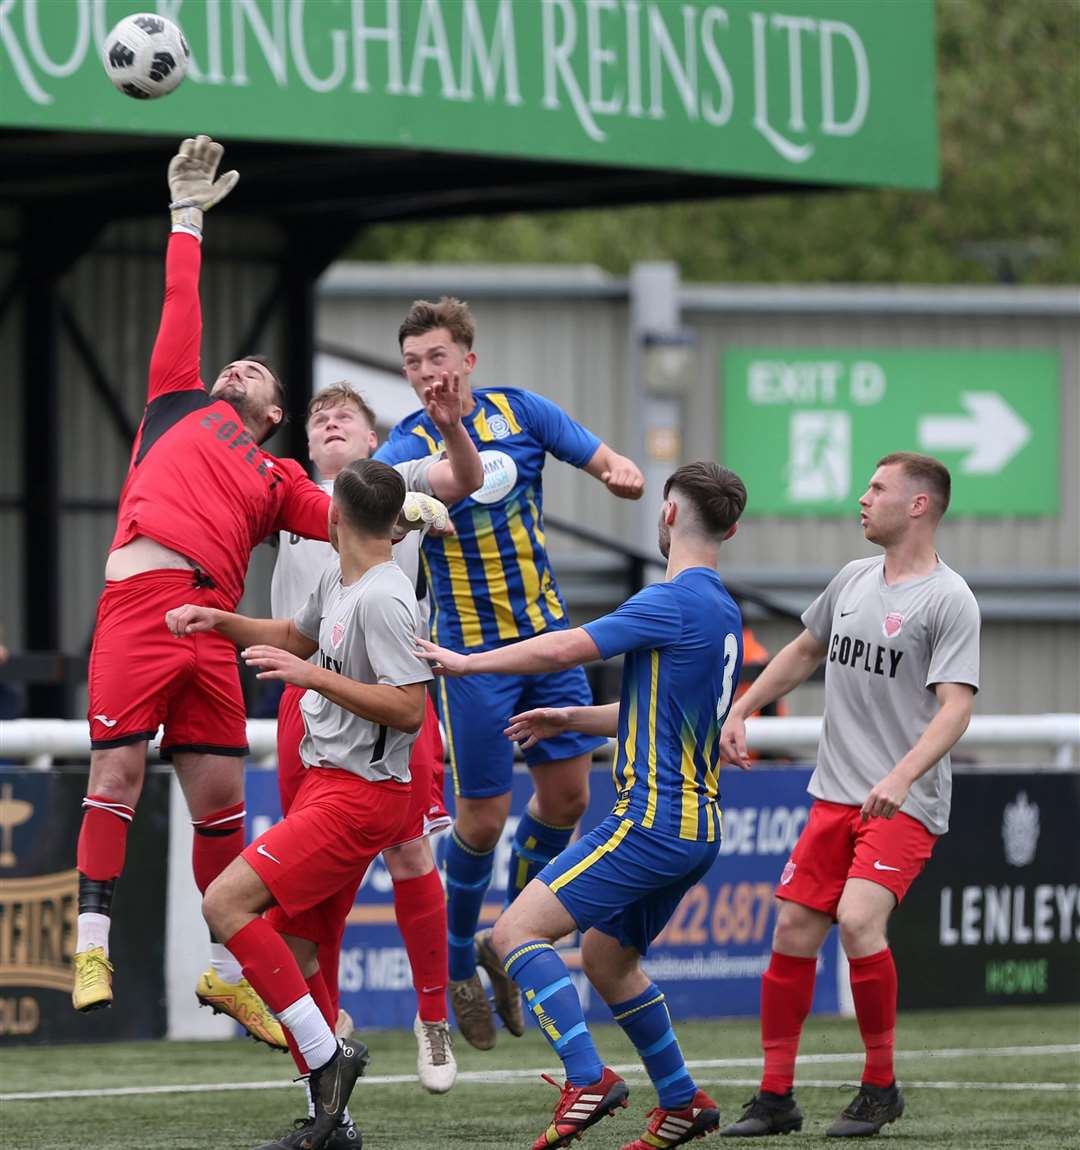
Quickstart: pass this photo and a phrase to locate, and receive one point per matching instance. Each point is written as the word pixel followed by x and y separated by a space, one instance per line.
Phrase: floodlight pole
pixel 659 354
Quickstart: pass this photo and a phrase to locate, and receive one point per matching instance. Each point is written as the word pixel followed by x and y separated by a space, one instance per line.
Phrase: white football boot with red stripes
pixel 580 1106
pixel 670 1128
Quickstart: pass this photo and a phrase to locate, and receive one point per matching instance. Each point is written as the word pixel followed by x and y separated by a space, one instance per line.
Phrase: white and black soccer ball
pixel 146 56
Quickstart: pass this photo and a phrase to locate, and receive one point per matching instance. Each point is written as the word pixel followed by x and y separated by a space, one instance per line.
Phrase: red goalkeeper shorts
pixel 141 675
pixel 836 845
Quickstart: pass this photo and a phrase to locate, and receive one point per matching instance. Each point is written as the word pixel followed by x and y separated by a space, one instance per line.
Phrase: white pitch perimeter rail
pixel 39 741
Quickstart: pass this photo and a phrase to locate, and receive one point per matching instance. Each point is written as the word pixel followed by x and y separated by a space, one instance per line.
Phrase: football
pixel 146 56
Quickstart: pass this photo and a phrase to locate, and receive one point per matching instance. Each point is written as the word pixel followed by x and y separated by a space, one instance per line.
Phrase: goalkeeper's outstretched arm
pixel 193 189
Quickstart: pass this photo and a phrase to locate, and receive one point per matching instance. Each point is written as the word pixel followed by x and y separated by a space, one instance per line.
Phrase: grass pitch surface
pixel 974 1080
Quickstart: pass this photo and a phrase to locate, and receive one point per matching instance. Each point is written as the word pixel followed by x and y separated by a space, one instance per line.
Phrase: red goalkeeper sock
pixel 103 837
pixel 873 990
pixel 218 839
pixel 420 906
pixel 787 992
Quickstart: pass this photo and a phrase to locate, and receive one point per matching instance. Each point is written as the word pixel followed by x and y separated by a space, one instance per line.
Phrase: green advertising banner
pixel 805 427
pixel 816 91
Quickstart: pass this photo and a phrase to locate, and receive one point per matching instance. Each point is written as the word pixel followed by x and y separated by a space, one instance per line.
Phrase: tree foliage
pixel 1007 208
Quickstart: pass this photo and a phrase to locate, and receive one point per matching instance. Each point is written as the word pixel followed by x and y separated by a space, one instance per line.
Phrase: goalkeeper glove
pixel 192 186
pixel 422 513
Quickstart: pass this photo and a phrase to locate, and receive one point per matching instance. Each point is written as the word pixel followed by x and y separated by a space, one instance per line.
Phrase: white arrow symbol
pixel 992 433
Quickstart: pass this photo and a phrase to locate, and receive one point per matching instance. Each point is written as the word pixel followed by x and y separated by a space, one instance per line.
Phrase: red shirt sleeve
pixel 174 364
pixel 305 505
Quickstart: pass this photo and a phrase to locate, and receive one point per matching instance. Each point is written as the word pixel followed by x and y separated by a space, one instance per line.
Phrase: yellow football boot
pixel 238 1000
pixel 93 980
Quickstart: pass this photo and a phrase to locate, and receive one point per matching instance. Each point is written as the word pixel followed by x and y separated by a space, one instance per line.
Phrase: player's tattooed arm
pixel 530 727
pixel 190 619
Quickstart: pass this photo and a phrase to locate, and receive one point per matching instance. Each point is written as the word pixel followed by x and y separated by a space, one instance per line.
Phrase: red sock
pixel 329 965
pixel 103 837
pixel 787 992
pixel 294 1050
pixel 873 989
pixel 219 838
pixel 317 988
pixel 268 964
pixel 420 906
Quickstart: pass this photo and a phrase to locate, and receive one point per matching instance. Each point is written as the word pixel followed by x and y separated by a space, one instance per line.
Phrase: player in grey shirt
pixel 358 628
pixel 365 703
pixel 341 428
pixel 899 634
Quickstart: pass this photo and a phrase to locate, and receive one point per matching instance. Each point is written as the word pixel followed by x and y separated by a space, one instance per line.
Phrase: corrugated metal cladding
pixel 114 295
pixel 968 544
pixel 1028 666
pixel 569 338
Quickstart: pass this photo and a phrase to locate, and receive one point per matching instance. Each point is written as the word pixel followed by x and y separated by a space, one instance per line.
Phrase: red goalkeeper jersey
pixel 198 483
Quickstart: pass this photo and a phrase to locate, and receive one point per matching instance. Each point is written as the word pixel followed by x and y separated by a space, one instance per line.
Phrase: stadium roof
pixel 398 109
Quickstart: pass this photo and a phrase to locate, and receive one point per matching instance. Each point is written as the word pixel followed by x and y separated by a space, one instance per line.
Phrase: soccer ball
pixel 146 56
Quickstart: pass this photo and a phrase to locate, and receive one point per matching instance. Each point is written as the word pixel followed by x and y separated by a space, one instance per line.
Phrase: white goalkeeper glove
pixel 192 186
pixel 422 513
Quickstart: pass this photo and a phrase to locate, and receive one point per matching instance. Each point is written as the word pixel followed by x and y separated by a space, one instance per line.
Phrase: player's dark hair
pixel 452 314
pixel 280 398
pixel 337 394
pixel 926 471
pixel 718 495
pixel 369 495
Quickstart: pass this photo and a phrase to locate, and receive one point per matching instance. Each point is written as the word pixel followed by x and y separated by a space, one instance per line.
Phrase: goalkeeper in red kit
pixel 200 493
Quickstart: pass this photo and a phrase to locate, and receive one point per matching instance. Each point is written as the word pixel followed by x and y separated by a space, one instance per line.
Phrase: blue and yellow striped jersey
pixel 682 642
pixel 492 582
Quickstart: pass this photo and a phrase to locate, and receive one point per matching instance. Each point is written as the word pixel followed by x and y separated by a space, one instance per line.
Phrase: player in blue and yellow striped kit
pixel 492 584
pixel 619 884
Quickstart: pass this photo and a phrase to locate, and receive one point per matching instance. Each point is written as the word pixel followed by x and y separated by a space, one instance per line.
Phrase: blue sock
pixel 535 844
pixel 553 999
pixel 468 875
pixel 648 1026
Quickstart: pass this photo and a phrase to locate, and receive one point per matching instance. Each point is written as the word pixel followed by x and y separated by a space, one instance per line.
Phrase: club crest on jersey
pixel 337 633
pixel 891 625
pixel 788 873
pixel 498 427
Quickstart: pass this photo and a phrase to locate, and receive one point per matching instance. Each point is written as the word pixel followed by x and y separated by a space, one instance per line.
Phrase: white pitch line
pixel 490 1077
pixel 836 1083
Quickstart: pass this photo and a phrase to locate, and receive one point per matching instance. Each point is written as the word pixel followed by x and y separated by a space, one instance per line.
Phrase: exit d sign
pixel 805 428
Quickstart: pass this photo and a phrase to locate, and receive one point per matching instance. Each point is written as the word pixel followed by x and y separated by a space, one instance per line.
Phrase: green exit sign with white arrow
pixel 805 427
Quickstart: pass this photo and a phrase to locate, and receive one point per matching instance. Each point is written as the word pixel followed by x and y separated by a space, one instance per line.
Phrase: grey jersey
pixel 888 646
pixel 300 561
pixel 366 632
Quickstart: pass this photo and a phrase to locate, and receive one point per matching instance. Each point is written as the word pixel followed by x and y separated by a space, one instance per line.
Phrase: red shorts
pixel 425 763
pixel 836 845
pixel 316 857
pixel 141 676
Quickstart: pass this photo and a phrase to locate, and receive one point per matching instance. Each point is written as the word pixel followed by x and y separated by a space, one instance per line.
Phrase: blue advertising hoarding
pixel 710 957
